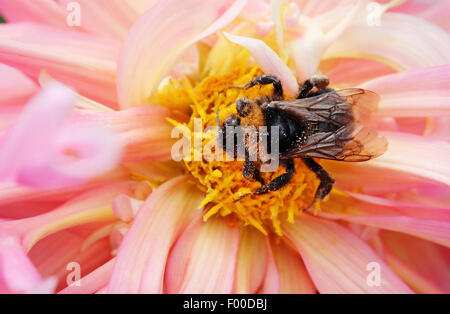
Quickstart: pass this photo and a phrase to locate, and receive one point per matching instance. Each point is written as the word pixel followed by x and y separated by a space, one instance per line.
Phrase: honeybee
pixel 320 123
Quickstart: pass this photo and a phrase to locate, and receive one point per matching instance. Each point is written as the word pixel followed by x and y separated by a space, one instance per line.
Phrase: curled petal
pixel 142 257
pixel 338 261
pixel 17 273
pixel 268 60
pixel 171 26
pixel 43 150
pixel 419 93
pixel 203 259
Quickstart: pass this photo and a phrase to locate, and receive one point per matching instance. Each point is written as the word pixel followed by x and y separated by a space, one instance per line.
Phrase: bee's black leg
pixel 266 79
pixel 319 81
pixel 326 182
pixel 279 181
pixel 250 171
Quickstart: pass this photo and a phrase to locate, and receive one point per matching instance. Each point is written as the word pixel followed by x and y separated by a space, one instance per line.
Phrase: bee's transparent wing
pixel 348 113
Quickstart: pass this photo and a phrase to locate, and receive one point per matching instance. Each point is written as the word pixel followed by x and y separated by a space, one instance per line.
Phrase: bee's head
pixel 229 127
pixel 244 106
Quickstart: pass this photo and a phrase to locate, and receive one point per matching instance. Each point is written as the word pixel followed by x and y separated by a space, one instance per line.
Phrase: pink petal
pixel 293 276
pixel 38 11
pixel 431 230
pixel 368 205
pixel 86 62
pixel 92 282
pixel 438 14
pixel 419 93
pixel 142 257
pixel 421 264
pixel 53 254
pixel 428 45
pixel 440 128
pixel 107 18
pixel 160 36
pixel 251 262
pixel 314 8
pixel 34 151
pixel 29 202
pixel 17 273
pixel 15 87
pixel 268 60
pixel 203 259
pixel 143 129
pixel 402 166
pixel 337 259
pixel 414 150
pixel 348 72
pixel 91 207
pixel 255 10
pixel 272 281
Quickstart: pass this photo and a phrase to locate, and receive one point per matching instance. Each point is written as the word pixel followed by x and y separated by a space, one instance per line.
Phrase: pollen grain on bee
pixel 240 143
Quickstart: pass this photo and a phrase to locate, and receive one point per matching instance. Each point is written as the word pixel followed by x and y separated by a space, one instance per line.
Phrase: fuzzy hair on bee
pixel 320 123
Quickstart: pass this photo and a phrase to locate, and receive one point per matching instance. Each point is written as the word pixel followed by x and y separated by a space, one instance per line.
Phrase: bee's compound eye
pixel 242 106
pixel 232 121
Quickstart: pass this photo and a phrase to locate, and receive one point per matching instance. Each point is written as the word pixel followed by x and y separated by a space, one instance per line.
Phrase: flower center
pixel 222 181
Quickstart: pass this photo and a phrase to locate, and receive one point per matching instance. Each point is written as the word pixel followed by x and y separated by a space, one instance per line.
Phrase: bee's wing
pixel 348 111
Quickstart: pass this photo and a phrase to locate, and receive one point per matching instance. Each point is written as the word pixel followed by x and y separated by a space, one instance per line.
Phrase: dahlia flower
pixel 92 202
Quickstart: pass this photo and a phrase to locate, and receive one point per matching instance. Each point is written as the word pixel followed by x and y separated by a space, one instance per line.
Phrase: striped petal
pixel 410 161
pixel 420 93
pixel 203 259
pixel 144 130
pixel 421 264
pixel 85 62
pixel 427 45
pixel 171 26
pixel 108 18
pixel 337 260
pixel 38 11
pixel 251 262
pixel 142 257
pixel 292 274
pixel 94 206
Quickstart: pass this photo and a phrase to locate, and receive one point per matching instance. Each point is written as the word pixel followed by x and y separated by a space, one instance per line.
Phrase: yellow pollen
pixel 222 181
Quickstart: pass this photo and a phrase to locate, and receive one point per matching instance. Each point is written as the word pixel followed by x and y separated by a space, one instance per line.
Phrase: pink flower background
pixel 76 124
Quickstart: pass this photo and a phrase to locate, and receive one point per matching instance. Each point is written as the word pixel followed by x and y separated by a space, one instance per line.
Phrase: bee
pixel 320 123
